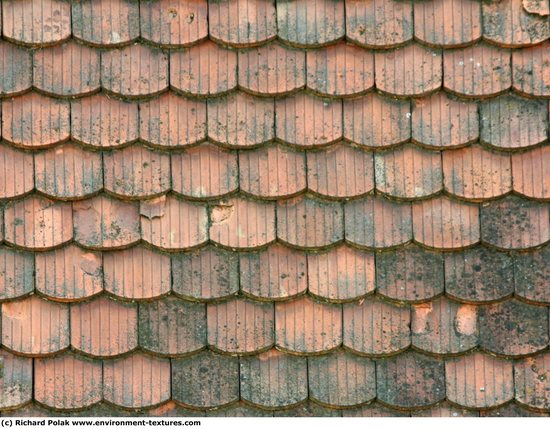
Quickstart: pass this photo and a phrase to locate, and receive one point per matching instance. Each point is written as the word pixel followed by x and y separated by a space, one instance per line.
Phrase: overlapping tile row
pixel 274 208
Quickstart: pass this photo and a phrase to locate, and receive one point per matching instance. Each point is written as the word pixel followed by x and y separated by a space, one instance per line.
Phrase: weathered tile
pixel 16 273
pixel 530 70
pixel 16 172
pixel 531 381
pixel 531 173
pixel 15 68
pixel 532 275
pixel 16 381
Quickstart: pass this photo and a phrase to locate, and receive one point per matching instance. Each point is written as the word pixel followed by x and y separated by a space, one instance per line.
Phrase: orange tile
pixel 136 381
pixel 307 326
pixel 375 328
pixel 537 7
pixel 240 326
pixel 15 68
pixel 443 223
pixel 478 71
pixel 16 383
pixel 16 273
pixel 103 222
pixel 67 382
pixel 205 380
pixel 479 381
pixel 531 274
pixel 134 71
pixel 34 326
pixel 38 223
pixel 69 273
pixel 377 121
pixel 272 171
pixel 445 409
pixel 531 171
pixel 275 273
pixel 308 223
pixel 136 172
pixel 68 172
pixel 204 69
pixel 409 274
pixel 373 410
pixel 341 274
pixel 104 122
pixel 530 70
pixel 273 379
pixel 375 222
pixel 173 23
pixel 409 71
pixel 341 379
pixel 531 381
pixel 16 172
pixel 340 171
pixel 340 70
pixel 104 327
pixel 35 121
pixel 172 326
pixel 379 23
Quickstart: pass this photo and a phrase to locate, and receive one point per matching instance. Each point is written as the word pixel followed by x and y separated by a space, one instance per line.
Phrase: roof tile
pixel 511 409
pixel 530 70
pixel 532 275
pixel 373 410
pixel 16 273
pixel 239 410
pixel 16 381
pixel 308 409
pixel 531 171
pixel 445 409
pixel 539 7
pixel 16 172
pixel 531 381
pixel 15 68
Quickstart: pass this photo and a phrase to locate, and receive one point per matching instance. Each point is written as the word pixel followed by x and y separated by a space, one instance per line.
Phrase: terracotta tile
pixel 134 71
pixel 340 70
pixel 205 69
pixel 410 380
pixel 374 328
pixel 67 382
pixel 409 274
pixel 69 273
pixel 16 172
pixel 445 409
pixel 308 223
pixel 373 410
pixel 479 381
pixel 443 223
pixel 408 172
pixel 136 273
pixel 34 121
pixel 477 174
pixel 34 326
pixel 104 122
pixel 531 381
pixel 274 379
pixel 136 381
pixel 305 120
pixel 307 326
pixel 479 274
pixel 379 23
pixel 204 172
pixel 68 172
pixel 106 23
pixel 341 274
pixel 171 409
pixel 240 326
pixel 68 70
pixel 205 380
pixel 242 23
pixel 272 171
pixel 136 171
pixel 530 70
pixel 507 23
pixel 241 120
pixel 515 223
pixel 16 273
pixel 511 409
pixel 539 7
pixel 448 22
pixel 104 223
pixel 104 327
pixel 304 23
pixel 513 328
pixel 275 273
pixel 478 71
pixel 444 327
pixel 174 23
pixel 532 274
pixel 509 122
pixel 339 172
pixel 377 121
pixel 375 222
pixel 32 410
pixel 242 224
pixel 341 379
pixel 38 223
pixel 171 224
pixel 308 409
pixel 172 326
pixel 531 172
pixel 34 22
pixel 15 382
pixel 239 410
pixel 16 69
pixel 205 274
pixel 412 70
pixel 444 122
